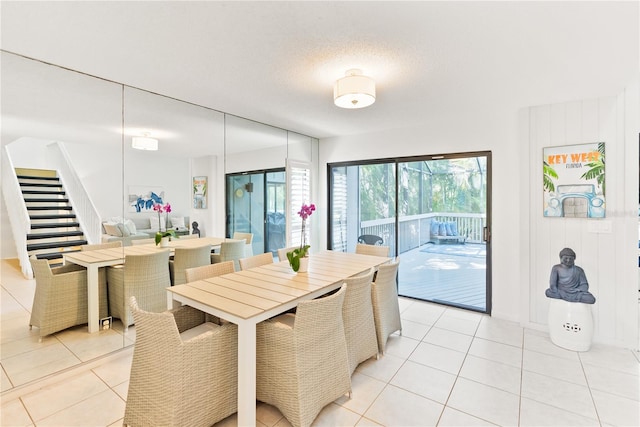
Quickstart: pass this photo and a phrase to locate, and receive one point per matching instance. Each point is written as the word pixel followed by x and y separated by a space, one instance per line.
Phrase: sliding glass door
pixel 432 212
pixel 256 203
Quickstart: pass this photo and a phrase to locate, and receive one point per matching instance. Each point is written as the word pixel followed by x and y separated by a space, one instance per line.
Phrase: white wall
pixel 608 258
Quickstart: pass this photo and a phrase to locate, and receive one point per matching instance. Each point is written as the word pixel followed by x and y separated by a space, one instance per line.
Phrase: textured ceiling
pixel 275 62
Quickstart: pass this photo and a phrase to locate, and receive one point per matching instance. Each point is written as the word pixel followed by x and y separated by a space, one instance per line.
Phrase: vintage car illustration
pixel 577 200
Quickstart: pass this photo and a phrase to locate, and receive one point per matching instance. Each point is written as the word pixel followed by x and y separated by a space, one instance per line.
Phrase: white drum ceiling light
pixel 144 143
pixel 354 90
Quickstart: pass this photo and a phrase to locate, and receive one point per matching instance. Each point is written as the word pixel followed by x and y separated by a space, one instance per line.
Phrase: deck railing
pixel 415 230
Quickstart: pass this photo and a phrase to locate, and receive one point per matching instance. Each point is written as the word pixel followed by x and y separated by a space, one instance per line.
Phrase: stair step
pixel 54 235
pixel 52 245
pixel 55 255
pixel 45 200
pixel 49 208
pixel 41 178
pixel 54 225
pixel 39 184
pixel 57 193
pixel 60 216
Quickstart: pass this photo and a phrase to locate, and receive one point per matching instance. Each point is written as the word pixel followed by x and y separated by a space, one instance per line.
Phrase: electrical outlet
pixel 106 323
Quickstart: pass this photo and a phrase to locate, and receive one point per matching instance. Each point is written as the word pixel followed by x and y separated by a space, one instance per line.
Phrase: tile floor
pixel 449 368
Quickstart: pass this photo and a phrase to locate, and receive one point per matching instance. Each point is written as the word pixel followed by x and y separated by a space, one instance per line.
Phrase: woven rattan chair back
pixel 248 238
pixel 372 250
pixel 211 270
pixel 144 276
pixel 359 326
pixel 230 251
pixel 60 299
pixel 184 258
pixel 256 261
pixel 282 252
pixel 97 246
pixel 181 382
pixel 302 364
pixel 384 297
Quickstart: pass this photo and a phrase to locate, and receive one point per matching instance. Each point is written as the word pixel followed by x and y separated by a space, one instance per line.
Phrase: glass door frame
pixel 394 245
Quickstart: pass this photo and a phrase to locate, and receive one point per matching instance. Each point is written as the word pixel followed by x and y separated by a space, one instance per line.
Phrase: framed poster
pixel 573 181
pixel 142 199
pixel 200 192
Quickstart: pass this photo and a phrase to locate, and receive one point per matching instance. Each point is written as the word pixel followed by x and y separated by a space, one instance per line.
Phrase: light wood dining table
pixel 95 259
pixel 250 296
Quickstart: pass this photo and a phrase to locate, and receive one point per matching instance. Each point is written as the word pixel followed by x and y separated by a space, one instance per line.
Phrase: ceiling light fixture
pixel 144 142
pixel 354 90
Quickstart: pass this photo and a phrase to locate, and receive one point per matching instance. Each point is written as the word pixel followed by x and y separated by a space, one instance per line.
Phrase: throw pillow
pixel 131 226
pixel 177 222
pixel 156 224
pixel 454 228
pixel 442 229
pixel 112 229
pixel 123 230
pixel 435 226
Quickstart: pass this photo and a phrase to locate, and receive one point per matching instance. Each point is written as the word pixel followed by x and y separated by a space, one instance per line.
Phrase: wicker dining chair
pixel 282 252
pixel 96 246
pixel 60 299
pixel 361 248
pixel 256 261
pixel 212 270
pixel 184 370
pixel 248 239
pixel 184 258
pixel 144 276
pixel 302 362
pixel 384 296
pixel 230 251
pixel 359 326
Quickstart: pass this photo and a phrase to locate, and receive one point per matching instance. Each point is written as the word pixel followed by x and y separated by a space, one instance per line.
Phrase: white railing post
pixel 86 212
pixel 17 210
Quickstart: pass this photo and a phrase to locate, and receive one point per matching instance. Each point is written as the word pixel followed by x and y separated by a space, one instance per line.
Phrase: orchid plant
pixel 301 252
pixel 166 209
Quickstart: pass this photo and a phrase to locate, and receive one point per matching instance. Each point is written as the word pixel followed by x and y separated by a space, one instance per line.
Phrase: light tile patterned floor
pixel 449 368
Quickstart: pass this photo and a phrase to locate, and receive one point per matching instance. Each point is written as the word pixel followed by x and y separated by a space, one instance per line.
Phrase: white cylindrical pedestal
pixel 570 324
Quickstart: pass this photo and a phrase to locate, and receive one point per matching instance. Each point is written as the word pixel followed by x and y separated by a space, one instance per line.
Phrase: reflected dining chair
pixel 230 251
pixel 256 261
pixel 248 239
pixel 97 246
pixel 144 276
pixel 359 326
pixel 184 258
pixel 282 252
pixel 301 359
pixel 184 370
pixel 372 250
pixel 384 297
pixel 211 270
pixel 60 299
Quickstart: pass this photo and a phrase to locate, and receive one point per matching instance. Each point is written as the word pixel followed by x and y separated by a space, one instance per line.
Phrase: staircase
pixel 54 228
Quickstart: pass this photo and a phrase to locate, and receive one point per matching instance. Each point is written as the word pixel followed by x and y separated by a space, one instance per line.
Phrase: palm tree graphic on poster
pixel 574 181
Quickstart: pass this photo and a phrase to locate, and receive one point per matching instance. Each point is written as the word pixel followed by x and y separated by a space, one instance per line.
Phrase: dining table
pixel 95 259
pixel 251 296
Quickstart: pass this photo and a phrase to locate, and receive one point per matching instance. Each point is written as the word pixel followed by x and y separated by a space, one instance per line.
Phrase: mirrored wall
pixel 51 115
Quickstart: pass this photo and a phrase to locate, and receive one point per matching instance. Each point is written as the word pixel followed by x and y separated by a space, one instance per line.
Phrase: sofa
pixel 445 232
pixel 141 227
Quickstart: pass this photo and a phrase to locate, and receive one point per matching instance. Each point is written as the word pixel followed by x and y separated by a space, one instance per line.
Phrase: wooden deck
pixel 452 274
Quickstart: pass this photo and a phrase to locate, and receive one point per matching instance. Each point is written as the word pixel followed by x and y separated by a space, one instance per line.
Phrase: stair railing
pixel 17 210
pixel 83 207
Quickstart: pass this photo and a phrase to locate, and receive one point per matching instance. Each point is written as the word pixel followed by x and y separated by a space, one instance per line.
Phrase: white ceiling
pixel 275 62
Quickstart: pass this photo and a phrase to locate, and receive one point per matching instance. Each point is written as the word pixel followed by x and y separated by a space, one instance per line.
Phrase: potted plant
pixel 298 256
pixel 162 237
